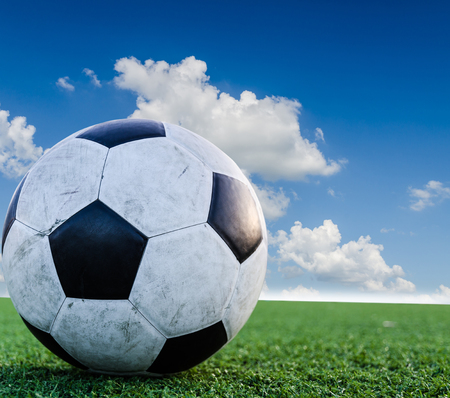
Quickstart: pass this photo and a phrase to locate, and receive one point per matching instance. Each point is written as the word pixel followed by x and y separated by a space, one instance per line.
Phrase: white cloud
pixel 442 295
pixel 300 293
pixel 398 285
pixel 434 191
pixel 357 263
pixel 63 83
pixel 443 291
pixel 362 297
pixel 274 203
pixel 94 80
pixel 290 271
pixel 404 295
pixel 318 133
pixel 17 150
pixel 402 285
pixel 331 192
pixel 386 230
pixel 261 135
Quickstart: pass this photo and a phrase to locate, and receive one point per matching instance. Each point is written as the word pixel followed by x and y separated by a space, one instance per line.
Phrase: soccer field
pixel 286 349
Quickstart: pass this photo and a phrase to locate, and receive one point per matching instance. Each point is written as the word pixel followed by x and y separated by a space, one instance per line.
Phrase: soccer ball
pixel 134 247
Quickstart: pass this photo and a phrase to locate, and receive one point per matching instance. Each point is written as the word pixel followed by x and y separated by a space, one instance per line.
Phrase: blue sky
pixel 373 84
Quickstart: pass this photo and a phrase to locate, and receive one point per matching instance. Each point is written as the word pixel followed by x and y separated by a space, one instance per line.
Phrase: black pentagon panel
pixel 118 132
pixel 50 343
pixel 97 253
pixel 184 352
pixel 11 213
pixel 234 216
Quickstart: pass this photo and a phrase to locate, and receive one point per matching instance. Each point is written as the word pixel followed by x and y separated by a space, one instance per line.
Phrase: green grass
pixel 286 349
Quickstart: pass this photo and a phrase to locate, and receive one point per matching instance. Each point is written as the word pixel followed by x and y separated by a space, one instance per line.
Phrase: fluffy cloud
pixel 17 150
pixel 290 271
pixel 63 83
pixel 443 291
pixel 261 135
pixel 434 191
pixel 402 285
pixel 442 295
pixel 94 80
pixel 318 133
pixel 299 293
pixel 356 263
pixel 274 203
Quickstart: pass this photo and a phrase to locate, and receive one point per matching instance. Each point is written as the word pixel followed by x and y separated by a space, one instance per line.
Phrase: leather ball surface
pixel 134 247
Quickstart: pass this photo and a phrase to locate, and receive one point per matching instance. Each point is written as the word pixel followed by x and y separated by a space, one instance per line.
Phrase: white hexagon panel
pixel 29 269
pixel 204 150
pixel 61 183
pixel 156 185
pixel 182 299
pixel 134 247
pixel 107 335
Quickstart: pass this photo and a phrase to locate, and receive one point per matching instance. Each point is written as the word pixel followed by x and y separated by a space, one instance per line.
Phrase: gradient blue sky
pixel 373 77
